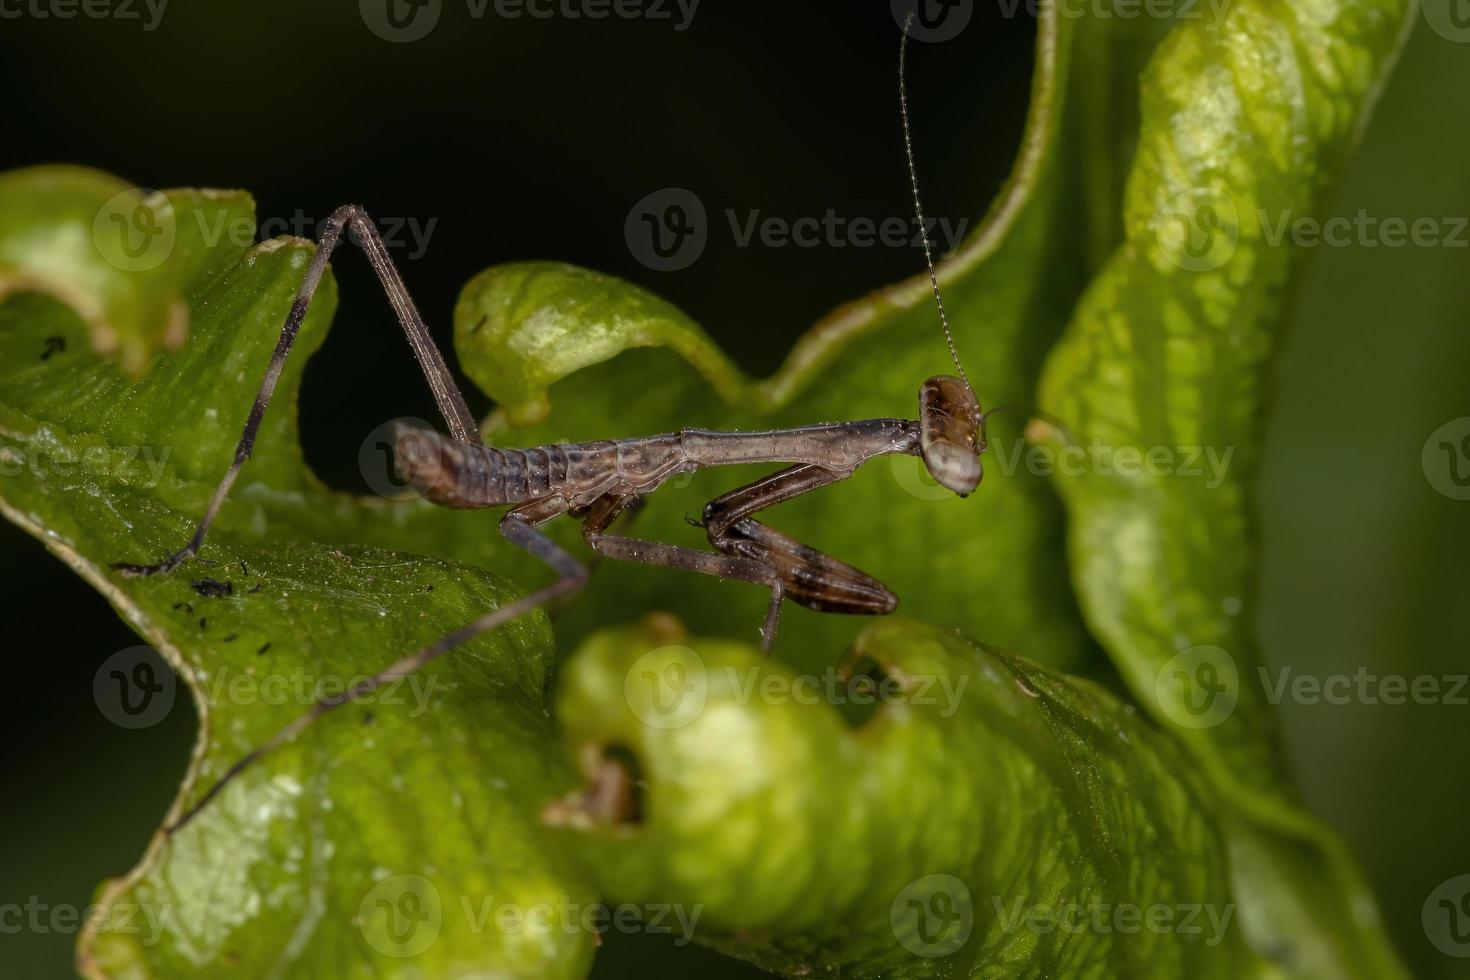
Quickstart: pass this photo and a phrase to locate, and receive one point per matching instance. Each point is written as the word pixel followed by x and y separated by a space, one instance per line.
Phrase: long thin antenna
pixel 908 149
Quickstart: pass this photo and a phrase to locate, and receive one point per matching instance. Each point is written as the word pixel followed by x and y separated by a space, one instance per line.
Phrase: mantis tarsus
pixel 596 482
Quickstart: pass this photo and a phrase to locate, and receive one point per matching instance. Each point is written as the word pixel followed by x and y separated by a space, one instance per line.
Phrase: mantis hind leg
pixel 446 393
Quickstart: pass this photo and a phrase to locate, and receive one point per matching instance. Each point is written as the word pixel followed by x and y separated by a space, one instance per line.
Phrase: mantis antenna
pixel 908 149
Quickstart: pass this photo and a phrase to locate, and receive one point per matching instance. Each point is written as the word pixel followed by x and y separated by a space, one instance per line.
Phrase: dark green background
pixel 531 139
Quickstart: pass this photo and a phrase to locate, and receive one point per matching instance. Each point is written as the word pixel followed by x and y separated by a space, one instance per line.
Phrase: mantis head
pixel 951 433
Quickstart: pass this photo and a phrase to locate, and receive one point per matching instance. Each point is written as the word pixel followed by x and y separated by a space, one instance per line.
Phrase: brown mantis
pixel 597 482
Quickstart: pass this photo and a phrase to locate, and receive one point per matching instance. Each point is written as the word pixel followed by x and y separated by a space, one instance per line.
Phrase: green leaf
pixel 105 248
pixel 382 842
pixel 1157 392
pixel 1050 823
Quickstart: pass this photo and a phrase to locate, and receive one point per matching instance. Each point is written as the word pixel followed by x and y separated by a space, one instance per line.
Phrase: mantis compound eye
pixel 950 439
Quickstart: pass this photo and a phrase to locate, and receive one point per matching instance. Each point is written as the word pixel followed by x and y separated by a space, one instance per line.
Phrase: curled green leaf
pixel 520 328
pixel 981 816
pixel 1155 398
pixel 105 248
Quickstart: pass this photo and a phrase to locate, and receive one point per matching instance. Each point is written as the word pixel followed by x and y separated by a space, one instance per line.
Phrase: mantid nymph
pixel 597 482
